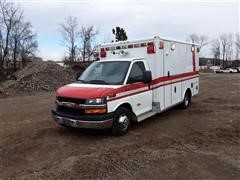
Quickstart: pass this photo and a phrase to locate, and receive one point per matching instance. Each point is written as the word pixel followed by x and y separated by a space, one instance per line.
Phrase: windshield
pixel 110 72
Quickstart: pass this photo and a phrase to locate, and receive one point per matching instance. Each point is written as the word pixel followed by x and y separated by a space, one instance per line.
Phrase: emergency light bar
pixel 119 52
pixel 150 48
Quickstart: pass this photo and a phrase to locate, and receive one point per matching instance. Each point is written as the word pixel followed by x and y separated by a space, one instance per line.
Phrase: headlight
pixel 96 101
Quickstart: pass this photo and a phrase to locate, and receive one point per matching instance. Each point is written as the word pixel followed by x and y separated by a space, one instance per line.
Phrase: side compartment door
pixel 167 73
pixel 176 92
pixel 141 100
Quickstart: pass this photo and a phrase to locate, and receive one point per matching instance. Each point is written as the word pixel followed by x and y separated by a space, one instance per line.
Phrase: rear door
pixel 141 100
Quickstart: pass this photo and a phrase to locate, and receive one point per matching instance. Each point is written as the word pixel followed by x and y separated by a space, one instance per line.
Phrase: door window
pixel 136 74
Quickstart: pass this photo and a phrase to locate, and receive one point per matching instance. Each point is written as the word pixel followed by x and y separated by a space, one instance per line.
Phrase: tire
pixel 186 101
pixel 121 121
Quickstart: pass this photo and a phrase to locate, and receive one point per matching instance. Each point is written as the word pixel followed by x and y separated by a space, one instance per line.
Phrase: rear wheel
pixel 121 121
pixel 187 100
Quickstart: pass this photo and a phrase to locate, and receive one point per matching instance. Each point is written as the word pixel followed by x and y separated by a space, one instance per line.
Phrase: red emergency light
pixel 103 53
pixel 150 48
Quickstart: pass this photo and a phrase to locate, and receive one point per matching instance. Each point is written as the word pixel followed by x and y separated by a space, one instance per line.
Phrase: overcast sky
pixel 175 20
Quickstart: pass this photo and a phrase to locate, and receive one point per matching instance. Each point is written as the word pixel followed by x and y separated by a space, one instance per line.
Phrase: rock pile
pixel 38 76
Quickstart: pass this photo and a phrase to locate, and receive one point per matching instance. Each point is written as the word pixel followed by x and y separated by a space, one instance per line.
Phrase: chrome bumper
pixel 83 124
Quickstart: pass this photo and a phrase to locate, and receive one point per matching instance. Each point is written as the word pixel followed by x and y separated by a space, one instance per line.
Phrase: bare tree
pixel 87 37
pixel 1 47
pixel 229 48
pixel 203 41
pixel 22 38
pixel 8 13
pixel 14 33
pixel 224 43
pixel 216 50
pixel 28 47
pixel 194 38
pixel 70 32
pixel 199 39
pixel 237 43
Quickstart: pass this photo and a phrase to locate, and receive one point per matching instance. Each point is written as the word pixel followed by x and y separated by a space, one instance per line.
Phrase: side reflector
pixel 150 49
pixel 95 111
pixel 103 53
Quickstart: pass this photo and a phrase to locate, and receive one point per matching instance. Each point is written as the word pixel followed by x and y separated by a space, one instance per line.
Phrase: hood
pixel 85 91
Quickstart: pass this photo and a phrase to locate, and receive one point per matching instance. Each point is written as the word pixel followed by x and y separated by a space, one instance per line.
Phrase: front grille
pixel 67 110
pixel 70 110
pixel 72 100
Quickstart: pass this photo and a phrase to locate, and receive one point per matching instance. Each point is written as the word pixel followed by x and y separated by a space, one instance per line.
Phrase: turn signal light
pixel 95 111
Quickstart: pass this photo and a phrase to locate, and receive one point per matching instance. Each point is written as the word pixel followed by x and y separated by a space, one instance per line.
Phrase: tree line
pixel 224 48
pixel 18 42
pixel 79 41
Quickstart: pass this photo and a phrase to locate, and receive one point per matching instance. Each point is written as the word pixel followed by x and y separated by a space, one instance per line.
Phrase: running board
pixel 146 115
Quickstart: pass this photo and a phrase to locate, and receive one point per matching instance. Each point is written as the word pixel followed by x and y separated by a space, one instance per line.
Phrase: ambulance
pixel 132 81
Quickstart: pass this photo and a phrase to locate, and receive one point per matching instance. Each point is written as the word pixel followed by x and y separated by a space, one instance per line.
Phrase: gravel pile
pixel 38 76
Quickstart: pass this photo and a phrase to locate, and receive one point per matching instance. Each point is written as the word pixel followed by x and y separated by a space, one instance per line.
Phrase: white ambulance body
pixel 132 81
pixel 174 66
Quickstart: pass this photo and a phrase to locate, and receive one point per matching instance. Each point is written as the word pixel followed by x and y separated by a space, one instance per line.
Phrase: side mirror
pixel 147 77
pixel 78 75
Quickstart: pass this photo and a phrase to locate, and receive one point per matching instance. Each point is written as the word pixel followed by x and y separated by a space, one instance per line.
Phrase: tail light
pixel 150 48
pixel 103 53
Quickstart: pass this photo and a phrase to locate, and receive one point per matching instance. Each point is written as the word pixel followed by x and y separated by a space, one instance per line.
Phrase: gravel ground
pixel 201 142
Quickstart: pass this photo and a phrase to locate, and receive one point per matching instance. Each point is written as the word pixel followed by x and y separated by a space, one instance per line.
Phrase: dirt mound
pixel 38 76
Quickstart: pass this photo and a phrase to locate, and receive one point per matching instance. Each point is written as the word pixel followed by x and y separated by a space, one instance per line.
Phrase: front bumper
pixel 85 121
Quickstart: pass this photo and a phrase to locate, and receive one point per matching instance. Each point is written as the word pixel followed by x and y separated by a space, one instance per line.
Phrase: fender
pixel 113 105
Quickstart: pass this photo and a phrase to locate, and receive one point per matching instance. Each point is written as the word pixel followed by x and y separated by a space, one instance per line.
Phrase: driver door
pixel 141 101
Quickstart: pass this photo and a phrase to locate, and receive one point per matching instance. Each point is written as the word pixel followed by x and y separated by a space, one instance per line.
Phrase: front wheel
pixel 186 101
pixel 121 121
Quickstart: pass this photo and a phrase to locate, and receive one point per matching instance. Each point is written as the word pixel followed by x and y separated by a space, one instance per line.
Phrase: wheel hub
pixel 123 120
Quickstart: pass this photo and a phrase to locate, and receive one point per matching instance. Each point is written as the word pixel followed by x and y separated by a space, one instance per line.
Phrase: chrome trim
pixel 86 106
pixel 80 106
pixel 83 124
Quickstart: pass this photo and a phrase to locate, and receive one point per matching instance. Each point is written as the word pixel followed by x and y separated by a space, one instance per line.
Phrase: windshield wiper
pixel 97 81
pixel 80 80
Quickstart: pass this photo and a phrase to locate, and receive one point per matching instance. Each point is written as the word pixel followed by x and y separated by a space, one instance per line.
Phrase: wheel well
pixel 188 91
pixel 129 107
pixel 126 105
